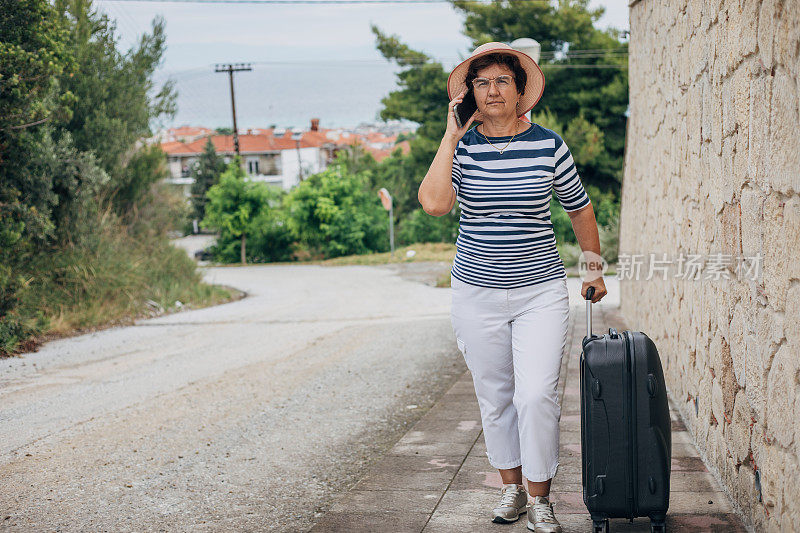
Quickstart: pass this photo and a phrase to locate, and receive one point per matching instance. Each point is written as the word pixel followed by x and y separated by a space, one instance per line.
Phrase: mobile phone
pixel 464 110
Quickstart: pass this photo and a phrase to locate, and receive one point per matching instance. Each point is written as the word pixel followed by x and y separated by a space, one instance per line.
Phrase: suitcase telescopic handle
pixel 589 296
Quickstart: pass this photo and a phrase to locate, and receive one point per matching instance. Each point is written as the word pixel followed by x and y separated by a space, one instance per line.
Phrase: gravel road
pixel 250 416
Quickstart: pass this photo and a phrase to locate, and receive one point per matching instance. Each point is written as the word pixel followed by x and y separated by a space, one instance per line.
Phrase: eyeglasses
pixel 503 82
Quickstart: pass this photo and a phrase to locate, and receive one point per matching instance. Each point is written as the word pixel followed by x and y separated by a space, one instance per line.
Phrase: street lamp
pixel 386 200
pixel 528 46
pixel 297 135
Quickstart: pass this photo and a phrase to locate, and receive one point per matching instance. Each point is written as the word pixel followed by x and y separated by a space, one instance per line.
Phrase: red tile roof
pixel 317 138
pixel 264 140
pixel 177 147
pixel 189 130
pixel 248 143
pixel 382 153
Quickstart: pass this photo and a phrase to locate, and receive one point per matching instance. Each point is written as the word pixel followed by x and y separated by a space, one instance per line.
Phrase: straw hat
pixel 533 89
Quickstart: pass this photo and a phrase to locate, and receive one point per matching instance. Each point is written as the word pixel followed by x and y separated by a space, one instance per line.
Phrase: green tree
pixel 586 145
pixel 75 179
pixel 146 167
pixel 355 159
pixel 61 76
pixel 586 107
pixel 334 213
pixel 419 226
pixel 236 207
pixel 568 36
pixel 73 111
pixel 420 97
pixel 272 240
pixel 206 173
pixel 584 139
pixel 115 99
pixel 33 54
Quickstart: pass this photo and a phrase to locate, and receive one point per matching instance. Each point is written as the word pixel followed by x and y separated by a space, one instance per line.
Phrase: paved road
pixel 251 415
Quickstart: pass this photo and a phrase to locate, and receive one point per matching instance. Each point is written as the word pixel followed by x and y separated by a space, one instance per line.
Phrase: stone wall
pixel 712 166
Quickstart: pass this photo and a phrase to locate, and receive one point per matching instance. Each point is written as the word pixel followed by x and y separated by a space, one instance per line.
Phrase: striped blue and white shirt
pixel 505 236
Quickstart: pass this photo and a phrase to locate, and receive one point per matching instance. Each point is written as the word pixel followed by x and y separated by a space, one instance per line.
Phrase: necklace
pixel 508 143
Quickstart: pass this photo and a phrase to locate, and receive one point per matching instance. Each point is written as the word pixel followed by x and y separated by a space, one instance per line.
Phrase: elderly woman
pixel 510 305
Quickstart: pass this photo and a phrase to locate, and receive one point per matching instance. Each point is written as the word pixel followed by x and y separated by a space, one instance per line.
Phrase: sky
pixel 308 60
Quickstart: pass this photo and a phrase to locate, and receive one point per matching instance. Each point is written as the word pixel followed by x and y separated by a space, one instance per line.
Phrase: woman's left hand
pixel 599 289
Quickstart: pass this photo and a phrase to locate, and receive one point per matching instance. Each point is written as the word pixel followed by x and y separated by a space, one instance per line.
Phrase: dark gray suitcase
pixel 626 439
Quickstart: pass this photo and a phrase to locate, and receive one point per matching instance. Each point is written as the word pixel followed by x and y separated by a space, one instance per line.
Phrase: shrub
pixel 333 213
pixel 419 226
pixel 240 210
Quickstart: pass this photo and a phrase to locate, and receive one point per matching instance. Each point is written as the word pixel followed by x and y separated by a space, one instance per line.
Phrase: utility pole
pixel 230 69
pixel 297 136
pixel 529 46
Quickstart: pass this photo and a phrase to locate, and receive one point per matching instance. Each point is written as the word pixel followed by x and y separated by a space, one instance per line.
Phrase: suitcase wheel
pixel 600 526
pixel 657 526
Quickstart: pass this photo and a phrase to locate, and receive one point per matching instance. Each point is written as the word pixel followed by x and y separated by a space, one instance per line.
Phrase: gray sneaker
pixel 540 516
pixel 513 502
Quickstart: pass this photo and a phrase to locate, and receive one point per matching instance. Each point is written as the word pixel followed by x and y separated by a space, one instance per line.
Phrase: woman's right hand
pixel 453 131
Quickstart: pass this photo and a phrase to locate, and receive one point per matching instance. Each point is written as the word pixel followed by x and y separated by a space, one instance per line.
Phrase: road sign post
pixel 386 200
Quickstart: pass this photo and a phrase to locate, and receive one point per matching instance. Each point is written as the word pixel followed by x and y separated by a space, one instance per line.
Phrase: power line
pixel 119 22
pixel 586 50
pixel 198 71
pixel 187 105
pixel 337 63
pixel 310 2
pixel 551 65
pixel 584 55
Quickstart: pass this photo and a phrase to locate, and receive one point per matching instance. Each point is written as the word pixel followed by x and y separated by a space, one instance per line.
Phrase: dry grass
pixel 425 251
pixel 114 281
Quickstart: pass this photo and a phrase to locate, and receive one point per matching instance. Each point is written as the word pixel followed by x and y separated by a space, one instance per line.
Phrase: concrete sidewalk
pixel 437 478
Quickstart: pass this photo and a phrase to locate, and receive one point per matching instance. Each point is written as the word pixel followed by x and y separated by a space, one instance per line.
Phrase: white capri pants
pixel 512 341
